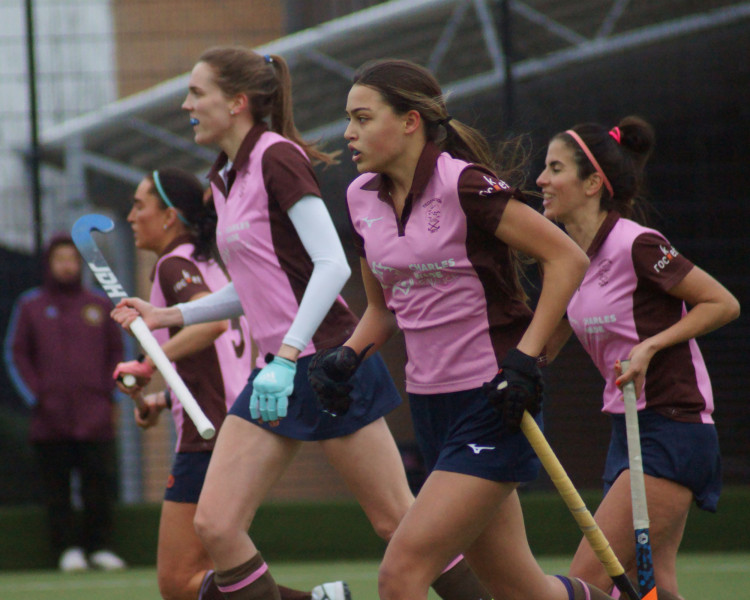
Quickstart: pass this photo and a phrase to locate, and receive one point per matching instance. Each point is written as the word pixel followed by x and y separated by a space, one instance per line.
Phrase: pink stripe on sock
pixel 245 582
pixel 455 561
pixel 586 589
pixel 615 593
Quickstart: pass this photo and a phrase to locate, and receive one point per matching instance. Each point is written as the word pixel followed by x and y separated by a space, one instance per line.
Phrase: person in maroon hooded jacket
pixel 60 349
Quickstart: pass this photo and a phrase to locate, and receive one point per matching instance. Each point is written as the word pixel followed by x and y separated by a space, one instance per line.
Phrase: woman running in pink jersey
pixel 631 304
pixel 437 230
pixel 287 267
pixel 170 219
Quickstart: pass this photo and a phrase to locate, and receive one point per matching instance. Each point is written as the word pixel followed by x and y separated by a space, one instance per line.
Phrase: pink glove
pixel 141 369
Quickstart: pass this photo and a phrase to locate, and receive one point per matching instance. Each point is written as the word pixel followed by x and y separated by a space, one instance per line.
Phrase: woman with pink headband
pixel 632 305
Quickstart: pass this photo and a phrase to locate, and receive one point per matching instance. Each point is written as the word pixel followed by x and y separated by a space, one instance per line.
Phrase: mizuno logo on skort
pixel 478 449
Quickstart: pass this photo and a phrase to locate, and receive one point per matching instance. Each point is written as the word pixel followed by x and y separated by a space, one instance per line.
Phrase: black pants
pixel 96 465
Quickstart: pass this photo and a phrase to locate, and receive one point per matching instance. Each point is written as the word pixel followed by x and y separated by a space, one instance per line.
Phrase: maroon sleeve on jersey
pixel 484 197
pixel 180 280
pixel 288 175
pixel 658 262
pixel 357 240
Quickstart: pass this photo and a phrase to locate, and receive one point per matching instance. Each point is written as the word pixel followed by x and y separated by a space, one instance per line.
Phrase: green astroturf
pixel 702 577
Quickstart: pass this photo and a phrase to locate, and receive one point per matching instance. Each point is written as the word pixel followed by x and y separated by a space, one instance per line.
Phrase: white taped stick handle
pixel 632 429
pixel 153 349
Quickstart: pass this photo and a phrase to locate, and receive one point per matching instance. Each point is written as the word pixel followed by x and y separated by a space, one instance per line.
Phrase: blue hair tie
pixel 268 58
pixel 167 201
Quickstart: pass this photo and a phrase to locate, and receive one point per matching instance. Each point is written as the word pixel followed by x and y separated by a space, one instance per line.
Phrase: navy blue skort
pixel 460 432
pixel 686 453
pixel 187 476
pixel 374 396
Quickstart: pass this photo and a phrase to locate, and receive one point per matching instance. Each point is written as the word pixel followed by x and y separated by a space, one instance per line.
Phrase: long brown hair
pixel 407 86
pixel 268 85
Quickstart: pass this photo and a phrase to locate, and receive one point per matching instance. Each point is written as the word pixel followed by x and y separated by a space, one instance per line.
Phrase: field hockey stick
pixel 576 505
pixel 82 238
pixel 644 560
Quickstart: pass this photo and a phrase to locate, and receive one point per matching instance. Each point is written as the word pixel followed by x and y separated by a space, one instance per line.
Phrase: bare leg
pixel 668 506
pixel 370 463
pixel 246 462
pixel 455 512
pixel 181 560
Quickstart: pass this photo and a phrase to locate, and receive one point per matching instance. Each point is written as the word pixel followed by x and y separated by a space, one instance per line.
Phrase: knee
pixel 210 527
pixel 170 588
pixel 385 528
pixel 386 519
pixel 403 576
pixel 390 580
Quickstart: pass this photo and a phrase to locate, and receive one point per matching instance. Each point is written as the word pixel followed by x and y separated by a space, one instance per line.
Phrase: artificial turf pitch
pixel 713 576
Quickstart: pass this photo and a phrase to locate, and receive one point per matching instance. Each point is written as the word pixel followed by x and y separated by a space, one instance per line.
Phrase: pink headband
pixel 590 156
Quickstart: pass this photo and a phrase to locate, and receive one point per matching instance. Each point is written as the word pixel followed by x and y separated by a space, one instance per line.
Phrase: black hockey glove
pixel 523 391
pixel 329 373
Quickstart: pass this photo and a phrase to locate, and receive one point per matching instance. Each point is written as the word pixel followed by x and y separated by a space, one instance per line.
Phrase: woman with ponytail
pixel 437 231
pixel 632 304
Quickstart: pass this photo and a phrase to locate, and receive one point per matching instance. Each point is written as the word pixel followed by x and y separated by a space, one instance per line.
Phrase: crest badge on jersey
pixel 602 273
pixel 432 213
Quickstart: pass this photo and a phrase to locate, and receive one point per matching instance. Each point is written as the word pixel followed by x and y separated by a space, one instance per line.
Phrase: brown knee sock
pixel 290 594
pixel 577 589
pixel 460 583
pixel 209 591
pixel 249 581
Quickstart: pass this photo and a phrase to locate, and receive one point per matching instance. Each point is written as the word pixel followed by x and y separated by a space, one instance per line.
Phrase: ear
pixel 170 217
pixel 412 121
pixel 593 184
pixel 238 104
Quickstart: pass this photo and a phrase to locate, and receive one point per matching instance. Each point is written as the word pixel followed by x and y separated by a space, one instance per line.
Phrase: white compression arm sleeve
pixel 216 306
pixel 317 232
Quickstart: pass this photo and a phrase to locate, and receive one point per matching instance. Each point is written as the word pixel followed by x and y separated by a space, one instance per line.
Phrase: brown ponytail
pixel 267 82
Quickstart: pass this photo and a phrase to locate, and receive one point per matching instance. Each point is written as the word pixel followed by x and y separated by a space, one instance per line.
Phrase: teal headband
pixel 166 199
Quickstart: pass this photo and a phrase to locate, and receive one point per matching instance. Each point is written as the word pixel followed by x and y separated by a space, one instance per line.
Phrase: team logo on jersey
pixel 432 213
pixel 186 280
pixel 668 255
pixel 371 221
pixel 602 273
pixel 494 186
pixel 434 274
pixel 392 278
pixel 92 314
pixel 51 311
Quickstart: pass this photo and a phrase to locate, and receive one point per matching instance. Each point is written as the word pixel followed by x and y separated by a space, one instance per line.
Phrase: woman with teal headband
pixel 165 198
pixel 170 218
